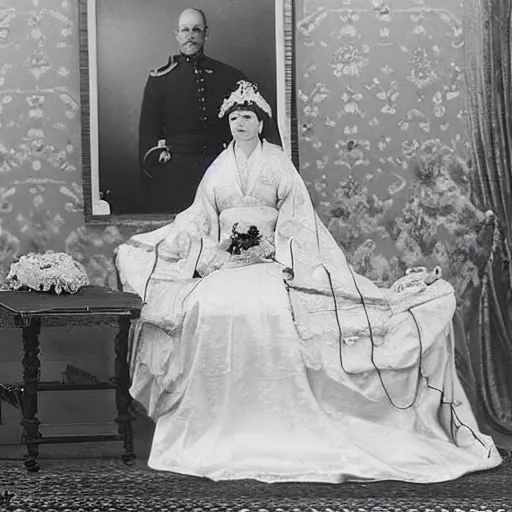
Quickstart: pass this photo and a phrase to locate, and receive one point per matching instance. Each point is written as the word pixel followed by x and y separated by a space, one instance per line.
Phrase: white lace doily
pixel 52 271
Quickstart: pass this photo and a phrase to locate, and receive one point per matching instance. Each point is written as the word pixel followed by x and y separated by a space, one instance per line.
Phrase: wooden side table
pixel 91 306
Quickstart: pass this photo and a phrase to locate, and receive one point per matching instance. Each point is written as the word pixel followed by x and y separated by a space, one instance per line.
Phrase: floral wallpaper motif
pixel 41 199
pixel 382 145
pixel 382 137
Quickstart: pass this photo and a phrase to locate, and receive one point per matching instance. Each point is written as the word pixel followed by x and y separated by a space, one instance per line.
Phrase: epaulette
pixel 167 68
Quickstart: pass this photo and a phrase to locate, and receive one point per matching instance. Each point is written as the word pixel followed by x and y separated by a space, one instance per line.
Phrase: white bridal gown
pixel 251 376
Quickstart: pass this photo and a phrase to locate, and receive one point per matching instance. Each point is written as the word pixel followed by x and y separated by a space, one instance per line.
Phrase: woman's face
pixel 244 125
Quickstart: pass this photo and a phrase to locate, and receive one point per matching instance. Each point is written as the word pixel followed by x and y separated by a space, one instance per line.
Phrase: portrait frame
pixel 96 210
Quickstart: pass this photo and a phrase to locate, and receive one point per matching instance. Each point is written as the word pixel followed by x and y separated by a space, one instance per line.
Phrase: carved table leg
pixel 31 374
pixel 123 397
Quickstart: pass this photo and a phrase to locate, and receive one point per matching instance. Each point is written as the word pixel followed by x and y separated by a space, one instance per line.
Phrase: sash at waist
pixel 263 217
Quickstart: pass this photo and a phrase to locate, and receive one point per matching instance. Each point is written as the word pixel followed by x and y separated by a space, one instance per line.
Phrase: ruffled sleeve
pixel 179 249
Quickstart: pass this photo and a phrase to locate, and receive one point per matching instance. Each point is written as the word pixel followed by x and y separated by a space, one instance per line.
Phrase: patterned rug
pixel 109 486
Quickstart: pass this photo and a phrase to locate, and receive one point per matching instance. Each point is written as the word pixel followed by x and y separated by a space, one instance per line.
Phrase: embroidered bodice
pixel 253 182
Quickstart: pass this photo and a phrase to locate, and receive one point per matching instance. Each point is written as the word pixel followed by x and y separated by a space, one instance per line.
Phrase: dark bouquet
pixel 242 241
pixel 247 246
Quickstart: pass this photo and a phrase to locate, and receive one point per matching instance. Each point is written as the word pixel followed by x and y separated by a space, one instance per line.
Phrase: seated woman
pixel 278 362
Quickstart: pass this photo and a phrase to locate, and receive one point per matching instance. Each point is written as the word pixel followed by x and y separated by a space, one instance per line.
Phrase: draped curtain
pixel 489 81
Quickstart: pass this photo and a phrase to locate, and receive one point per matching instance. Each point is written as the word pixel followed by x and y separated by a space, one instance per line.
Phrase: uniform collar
pixel 192 59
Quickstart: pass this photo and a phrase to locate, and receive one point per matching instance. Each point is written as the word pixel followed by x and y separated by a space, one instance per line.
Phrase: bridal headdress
pixel 246 94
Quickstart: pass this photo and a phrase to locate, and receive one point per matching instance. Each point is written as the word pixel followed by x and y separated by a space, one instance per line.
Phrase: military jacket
pixel 181 104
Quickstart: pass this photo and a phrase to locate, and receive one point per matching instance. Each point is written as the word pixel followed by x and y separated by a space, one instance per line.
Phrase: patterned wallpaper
pixel 382 144
pixel 40 164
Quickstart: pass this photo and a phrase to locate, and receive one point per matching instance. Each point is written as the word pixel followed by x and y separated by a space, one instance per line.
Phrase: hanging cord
pixel 195 267
pixel 421 375
pixel 134 347
pixel 157 247
pixel 443 401
pixel 340 330
pixel 453 413
pixel 292 257
pixel 372 354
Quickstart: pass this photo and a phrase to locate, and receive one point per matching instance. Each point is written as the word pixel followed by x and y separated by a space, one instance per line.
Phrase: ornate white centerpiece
pixel 50 272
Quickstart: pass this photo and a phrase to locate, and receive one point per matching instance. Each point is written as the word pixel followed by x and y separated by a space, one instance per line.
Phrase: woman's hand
pixel 251 256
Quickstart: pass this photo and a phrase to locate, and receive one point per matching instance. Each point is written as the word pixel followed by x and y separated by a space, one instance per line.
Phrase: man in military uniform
pixel 180 133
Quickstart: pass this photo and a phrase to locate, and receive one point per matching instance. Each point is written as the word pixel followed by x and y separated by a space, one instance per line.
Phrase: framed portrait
pixel 124 42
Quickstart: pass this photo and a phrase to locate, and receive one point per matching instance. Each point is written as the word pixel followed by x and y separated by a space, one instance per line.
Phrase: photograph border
pixel 96 211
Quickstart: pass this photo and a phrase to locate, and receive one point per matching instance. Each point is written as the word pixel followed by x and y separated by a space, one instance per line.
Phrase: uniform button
pixel 203 108
pixel 196 71
pixel 201 80
pixel 201 100
pixel 201 89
